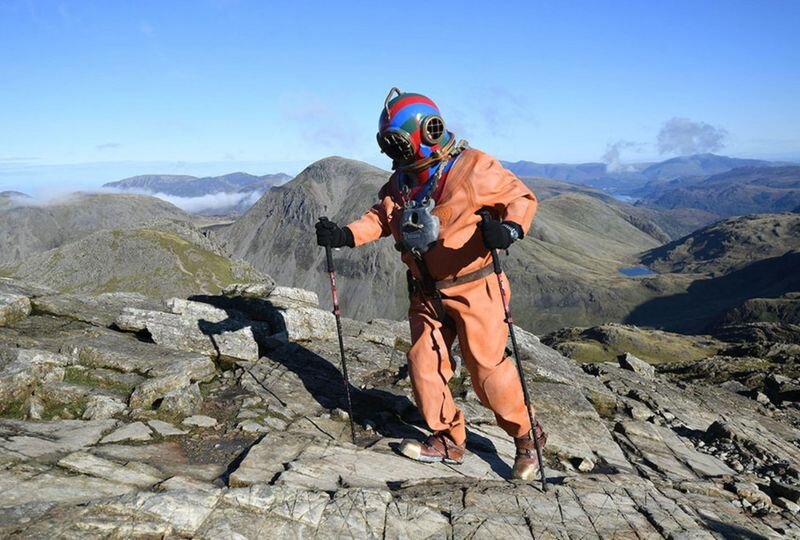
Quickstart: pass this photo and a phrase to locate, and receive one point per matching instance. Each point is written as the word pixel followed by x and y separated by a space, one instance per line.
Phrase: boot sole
pixel 414 451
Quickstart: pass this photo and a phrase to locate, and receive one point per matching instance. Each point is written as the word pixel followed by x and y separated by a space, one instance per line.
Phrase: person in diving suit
pixel 431 206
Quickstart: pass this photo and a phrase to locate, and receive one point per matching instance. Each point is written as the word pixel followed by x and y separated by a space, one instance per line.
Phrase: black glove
pixel 330 234
pixel 499 235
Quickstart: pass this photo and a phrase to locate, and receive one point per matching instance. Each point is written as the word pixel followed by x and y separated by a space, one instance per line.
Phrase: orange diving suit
pixel 476 181
pixel 431 206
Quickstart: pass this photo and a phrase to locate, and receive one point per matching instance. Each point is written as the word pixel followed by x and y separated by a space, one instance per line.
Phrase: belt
pixel 466 278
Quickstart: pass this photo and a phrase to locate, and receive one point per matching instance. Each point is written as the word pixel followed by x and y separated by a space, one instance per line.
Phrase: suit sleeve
pixel 500 190
pixel 374 224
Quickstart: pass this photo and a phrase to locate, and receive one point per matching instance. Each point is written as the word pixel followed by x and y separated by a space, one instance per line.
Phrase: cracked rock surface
pixel 117 425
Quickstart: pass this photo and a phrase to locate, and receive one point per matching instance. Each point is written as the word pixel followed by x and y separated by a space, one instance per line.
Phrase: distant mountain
pixel 698 165
pixel 229 194
pixel 653 222
pixel 277 236
pixel 747 190
pixel 13 194
pixel 160 263
pixel 566 270
pixel 547 188
pixel 729 245
pixel 29 229
pixel 632 178
pixel 581 173
pixel 192 186
pixel 592 174
pixel 660 223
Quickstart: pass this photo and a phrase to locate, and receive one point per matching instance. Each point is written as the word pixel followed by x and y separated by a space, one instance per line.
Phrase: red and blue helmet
pixel 412 133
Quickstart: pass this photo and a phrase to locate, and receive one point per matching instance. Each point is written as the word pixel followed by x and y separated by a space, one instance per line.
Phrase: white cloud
pixel 205 203
pixel 210 202
pixel 685 136
pixel 613 156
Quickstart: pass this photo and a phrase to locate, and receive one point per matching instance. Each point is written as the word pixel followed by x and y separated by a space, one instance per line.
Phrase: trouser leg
pixel 430 369
pixel 483 334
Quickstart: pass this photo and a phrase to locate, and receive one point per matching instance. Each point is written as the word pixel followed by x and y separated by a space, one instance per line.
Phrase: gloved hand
pixel 330 234
pixel 499 235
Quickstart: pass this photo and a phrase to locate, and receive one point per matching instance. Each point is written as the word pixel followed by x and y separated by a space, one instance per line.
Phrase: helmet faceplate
pixel 410 129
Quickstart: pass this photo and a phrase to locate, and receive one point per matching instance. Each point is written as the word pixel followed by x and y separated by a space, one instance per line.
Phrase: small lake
pixel 625 198
pixel 636 271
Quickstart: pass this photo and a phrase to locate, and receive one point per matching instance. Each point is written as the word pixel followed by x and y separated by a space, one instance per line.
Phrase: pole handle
pixel 485 218
pixel 328 251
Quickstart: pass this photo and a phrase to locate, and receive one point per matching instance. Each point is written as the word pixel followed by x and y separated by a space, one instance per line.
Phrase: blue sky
pixel 93 91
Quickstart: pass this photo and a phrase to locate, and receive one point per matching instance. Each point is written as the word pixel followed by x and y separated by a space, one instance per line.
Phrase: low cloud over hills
pixel 228 194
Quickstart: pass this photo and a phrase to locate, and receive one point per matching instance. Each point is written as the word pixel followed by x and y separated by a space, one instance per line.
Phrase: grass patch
pixel 605 345
pixel 8 270
pixel 593 353
pixel 15 409
pixel 70 410
pixel 85 377
pixel 209 269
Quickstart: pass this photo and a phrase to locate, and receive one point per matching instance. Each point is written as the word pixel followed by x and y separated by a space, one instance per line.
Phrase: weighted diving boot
pixel 437 448
pixel 526 463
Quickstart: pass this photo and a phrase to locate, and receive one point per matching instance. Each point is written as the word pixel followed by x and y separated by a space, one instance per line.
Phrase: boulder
pixel 18 489
pixel 13 308
pixel 380 331
pixel 300 324
pixel 152 390
pixel 197 327
pixel 102 407
pixel 21 370
pixel 99 310
pixel 24 288
pixel 136 431
pixel 165 429
pixel 250 290
pixel 751 493
pixel 134 474
pixel 28 440
pixel 111 350
pixel 630 362
pixel 287 297
pixel 200 420
pixel 183 401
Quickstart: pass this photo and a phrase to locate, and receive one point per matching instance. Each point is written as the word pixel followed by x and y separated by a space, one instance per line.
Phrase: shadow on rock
pixel 388 414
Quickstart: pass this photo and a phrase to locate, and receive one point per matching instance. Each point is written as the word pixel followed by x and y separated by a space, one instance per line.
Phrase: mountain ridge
pixel 32 228
pixel 575 235
pixel 630 178
pixel 193 186
pixel 741 191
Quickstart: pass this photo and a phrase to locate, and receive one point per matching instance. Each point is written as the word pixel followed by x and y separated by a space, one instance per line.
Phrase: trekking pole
pixel 336 313
pixel 485 216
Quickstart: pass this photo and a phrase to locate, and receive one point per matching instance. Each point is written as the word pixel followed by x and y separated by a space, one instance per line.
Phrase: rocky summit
pixel 225 416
